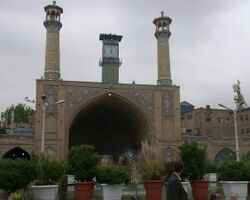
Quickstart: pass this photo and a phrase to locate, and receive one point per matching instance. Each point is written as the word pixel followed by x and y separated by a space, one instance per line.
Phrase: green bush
pixel 246 156
pixel 211 166
pixel 113 174
pixel 194 158
pixel 16 174
pixel 82 161
pixel 49 170
pixel 15 196
pixel 234 171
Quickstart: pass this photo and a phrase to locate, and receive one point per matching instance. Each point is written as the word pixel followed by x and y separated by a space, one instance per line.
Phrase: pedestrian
pixel 215 196
pixel 175 190
pixel 233 196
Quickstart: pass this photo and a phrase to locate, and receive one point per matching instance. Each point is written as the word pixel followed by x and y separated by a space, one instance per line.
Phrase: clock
pixel 110 51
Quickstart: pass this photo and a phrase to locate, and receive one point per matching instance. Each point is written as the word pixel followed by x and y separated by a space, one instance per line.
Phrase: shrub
pixel 151 164
pixel 234 171
pixel 16 174
pixel 15 196
pixel 113 174
pixel 49 170
pixel 82 161
pixel 194 158
pixel 211 166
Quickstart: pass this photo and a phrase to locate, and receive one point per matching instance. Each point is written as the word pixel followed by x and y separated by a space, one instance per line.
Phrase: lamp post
pixel 45 104
pixel 235 130
pixel 240 104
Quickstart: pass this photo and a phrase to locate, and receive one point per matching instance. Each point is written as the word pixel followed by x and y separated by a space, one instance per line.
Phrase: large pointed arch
pixel 110 122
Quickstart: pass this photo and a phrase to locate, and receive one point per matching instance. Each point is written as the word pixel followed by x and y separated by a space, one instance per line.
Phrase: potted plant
pixel 234 176
pixel 152 169
pixel 111 178
pixel 195 159
pixel 16 174
pixel 211 175
pixel 83 161
pixel 49 172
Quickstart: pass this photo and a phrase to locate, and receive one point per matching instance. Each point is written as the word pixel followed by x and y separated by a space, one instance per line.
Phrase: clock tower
pixel 110 61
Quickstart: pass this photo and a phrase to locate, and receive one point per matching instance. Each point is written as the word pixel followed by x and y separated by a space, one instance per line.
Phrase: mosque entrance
pixel 112 124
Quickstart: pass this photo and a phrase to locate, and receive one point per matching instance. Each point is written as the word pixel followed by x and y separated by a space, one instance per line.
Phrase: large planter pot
pixel 3 193
pixel 45 192
pixel 239 187
pixel 185 185
pixel 111 192
pixel 212 179
pixel 199 189
pixel 153 189
pixel 70 183
pixel 84 190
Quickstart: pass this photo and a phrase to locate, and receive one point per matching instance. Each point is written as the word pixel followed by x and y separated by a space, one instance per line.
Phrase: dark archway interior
pixel 112 125
pixel 16 152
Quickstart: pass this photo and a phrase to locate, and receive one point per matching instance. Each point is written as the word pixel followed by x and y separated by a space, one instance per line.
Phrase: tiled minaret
pixel 162 35
pixel 52 55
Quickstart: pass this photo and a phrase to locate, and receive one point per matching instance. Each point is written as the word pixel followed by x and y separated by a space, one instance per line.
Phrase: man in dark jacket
pixel 175 190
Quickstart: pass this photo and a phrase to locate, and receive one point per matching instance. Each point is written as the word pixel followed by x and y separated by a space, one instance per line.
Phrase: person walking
pixel 175 190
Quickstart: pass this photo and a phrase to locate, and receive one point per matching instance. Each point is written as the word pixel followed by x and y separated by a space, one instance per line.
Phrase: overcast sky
pixel 209 45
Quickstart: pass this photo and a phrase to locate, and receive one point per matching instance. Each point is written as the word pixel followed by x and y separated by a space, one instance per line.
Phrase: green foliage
pixel 15 196
pixel 16 174
pixel 82 161
pixel 153 171
pixel 246 156
pixel 113 174
pixel 195 158
pixel 22 113
pixel 211 166
pixel 234 170
pixel 49 170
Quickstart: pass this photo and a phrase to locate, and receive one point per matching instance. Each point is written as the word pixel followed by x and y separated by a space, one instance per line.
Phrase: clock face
pixel 110 51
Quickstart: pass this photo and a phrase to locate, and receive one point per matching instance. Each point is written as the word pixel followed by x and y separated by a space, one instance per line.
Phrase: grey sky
pixel 209 45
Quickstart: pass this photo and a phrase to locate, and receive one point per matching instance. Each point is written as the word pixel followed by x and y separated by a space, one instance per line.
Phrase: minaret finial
pixel 162 13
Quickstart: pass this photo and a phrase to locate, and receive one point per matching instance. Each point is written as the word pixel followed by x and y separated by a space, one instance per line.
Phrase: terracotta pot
pixel 153 189
pixel 199 189
pixel 84 190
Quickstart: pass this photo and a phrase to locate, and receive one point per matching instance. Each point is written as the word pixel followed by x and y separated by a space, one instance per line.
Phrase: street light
pixel 45 104
pixel 235 130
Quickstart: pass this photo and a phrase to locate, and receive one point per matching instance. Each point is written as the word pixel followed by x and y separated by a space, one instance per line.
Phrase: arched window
pixel 225 154
pixel 16 152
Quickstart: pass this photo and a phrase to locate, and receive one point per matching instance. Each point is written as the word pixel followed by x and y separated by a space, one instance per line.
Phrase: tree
pixel 22 113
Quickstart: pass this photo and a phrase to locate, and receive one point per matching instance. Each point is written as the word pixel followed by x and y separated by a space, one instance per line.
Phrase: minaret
pixel 52 54
pixel 162 35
